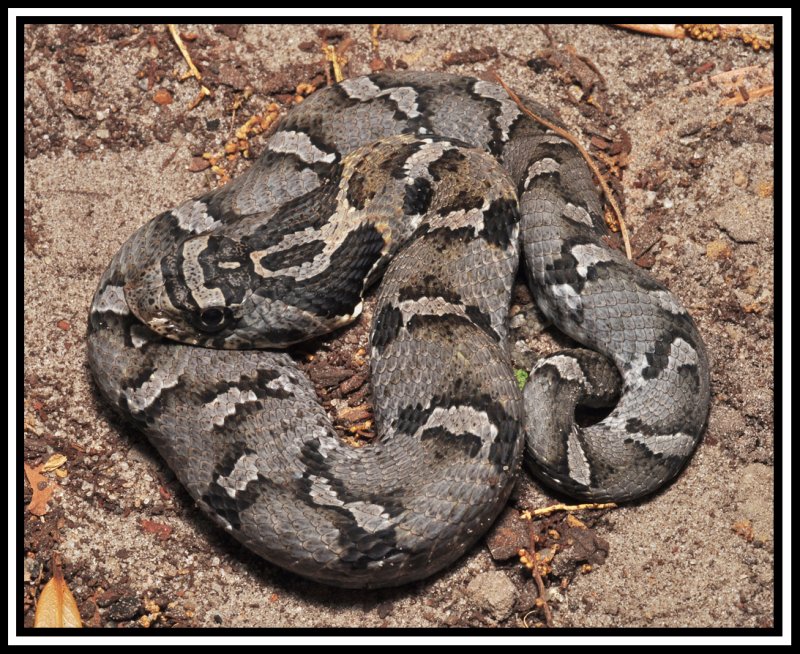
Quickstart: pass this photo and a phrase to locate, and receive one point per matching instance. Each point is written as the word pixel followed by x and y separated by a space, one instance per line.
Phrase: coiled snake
pixel 441 182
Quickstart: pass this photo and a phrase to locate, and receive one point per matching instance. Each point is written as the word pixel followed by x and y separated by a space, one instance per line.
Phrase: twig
pixel 705 32
pixel 192 72
pixel 656 29
pixel 564 134
pixel 759 79
pixel 737 75
pixel 333 57
pixel 529 559
pixel 374 31
pixel 537 513
pixel 545 29
pixel 548 615
pixel 169 159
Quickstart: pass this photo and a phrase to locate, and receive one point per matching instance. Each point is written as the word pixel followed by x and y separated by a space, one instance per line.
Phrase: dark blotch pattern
pixel 359 547
pixel 307 212
pixel 359 191
pixel 499 221
pixel 338 289
pixel 658 357
pixel 217 497
pixel 444 442
pixel 448 327
pixel 386 326
pixel 429 286
pixel 481 320
pixel 448 163
pixel 501 451
pixel 417 198
pixel 464 200
pixel 295 255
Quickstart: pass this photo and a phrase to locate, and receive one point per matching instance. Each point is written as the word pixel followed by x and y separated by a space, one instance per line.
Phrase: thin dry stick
pixel 192 72
pixel 584 154
pixel 533 566
pixel 374 31
pixel 658 29
pixel 537 513
pixel 333 57
pixel 548 615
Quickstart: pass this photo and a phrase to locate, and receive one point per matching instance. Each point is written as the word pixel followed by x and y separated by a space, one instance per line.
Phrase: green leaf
pixel 522 377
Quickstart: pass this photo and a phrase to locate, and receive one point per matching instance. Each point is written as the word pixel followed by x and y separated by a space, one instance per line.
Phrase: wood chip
pixel 161 531
pixel 162 97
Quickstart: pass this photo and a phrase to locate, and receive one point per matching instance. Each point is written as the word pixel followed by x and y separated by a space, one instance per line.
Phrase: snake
pixel 439 189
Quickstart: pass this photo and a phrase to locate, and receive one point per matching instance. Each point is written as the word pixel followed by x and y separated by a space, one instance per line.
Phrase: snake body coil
pixel 438 184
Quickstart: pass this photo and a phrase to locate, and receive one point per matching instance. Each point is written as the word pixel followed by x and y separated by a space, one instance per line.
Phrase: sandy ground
pixel 104 153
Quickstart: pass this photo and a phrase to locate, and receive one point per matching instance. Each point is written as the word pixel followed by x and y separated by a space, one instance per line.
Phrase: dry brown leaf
pixel 42 490
pixel 56 607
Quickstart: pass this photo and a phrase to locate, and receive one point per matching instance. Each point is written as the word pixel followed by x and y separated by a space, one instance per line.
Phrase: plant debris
pixel 56 606
pixel 757 36
pixel 41 487
pixel 563 133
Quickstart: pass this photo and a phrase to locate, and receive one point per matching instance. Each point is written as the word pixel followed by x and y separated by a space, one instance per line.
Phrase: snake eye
pixel 214 318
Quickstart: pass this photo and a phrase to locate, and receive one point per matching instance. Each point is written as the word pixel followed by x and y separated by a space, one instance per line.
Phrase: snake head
pixel 194 294
pixel 209 291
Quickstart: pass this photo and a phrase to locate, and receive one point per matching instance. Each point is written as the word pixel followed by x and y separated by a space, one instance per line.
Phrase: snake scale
pixel 439 185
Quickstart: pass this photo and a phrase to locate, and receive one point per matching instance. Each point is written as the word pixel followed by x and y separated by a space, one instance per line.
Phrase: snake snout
pixel 149 302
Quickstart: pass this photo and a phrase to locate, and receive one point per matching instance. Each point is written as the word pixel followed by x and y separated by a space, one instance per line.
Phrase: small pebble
pixel 740 179
pixel 126 608
pixel 493 592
